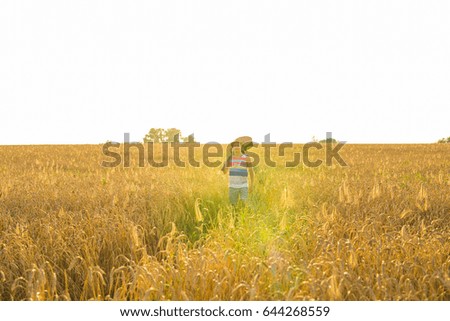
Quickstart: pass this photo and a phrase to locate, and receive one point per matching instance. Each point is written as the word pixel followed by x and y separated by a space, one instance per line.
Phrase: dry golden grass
pixel 375 230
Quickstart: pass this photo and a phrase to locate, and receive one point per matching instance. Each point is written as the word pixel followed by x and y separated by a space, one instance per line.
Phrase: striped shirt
pixel 238 171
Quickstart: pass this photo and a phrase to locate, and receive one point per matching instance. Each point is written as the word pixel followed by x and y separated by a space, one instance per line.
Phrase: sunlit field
pixel 377 229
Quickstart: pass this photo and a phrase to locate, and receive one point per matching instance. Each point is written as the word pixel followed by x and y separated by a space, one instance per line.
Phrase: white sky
pixel 87 71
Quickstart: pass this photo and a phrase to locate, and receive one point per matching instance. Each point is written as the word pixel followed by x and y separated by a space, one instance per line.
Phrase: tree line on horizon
pixel 161 135
pixel 169 135
pixel 444 140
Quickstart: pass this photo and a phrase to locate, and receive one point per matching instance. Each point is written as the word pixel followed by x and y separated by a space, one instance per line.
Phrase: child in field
pixel 238 166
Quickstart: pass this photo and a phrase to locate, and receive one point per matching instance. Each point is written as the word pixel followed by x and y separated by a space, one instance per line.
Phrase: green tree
pixel 172 135
pixel 329 141
pixel 444 140
pixel 155 135
pixel 159 135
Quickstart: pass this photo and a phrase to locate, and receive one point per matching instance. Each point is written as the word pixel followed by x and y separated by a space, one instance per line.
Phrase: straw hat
pixel 245 141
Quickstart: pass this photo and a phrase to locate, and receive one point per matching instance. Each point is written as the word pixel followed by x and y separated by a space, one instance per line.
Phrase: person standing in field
pixel 239 167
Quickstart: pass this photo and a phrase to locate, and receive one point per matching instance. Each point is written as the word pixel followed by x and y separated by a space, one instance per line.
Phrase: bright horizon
pixel 86 72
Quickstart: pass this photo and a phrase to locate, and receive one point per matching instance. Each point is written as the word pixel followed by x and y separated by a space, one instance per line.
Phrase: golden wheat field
pixel 377 229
